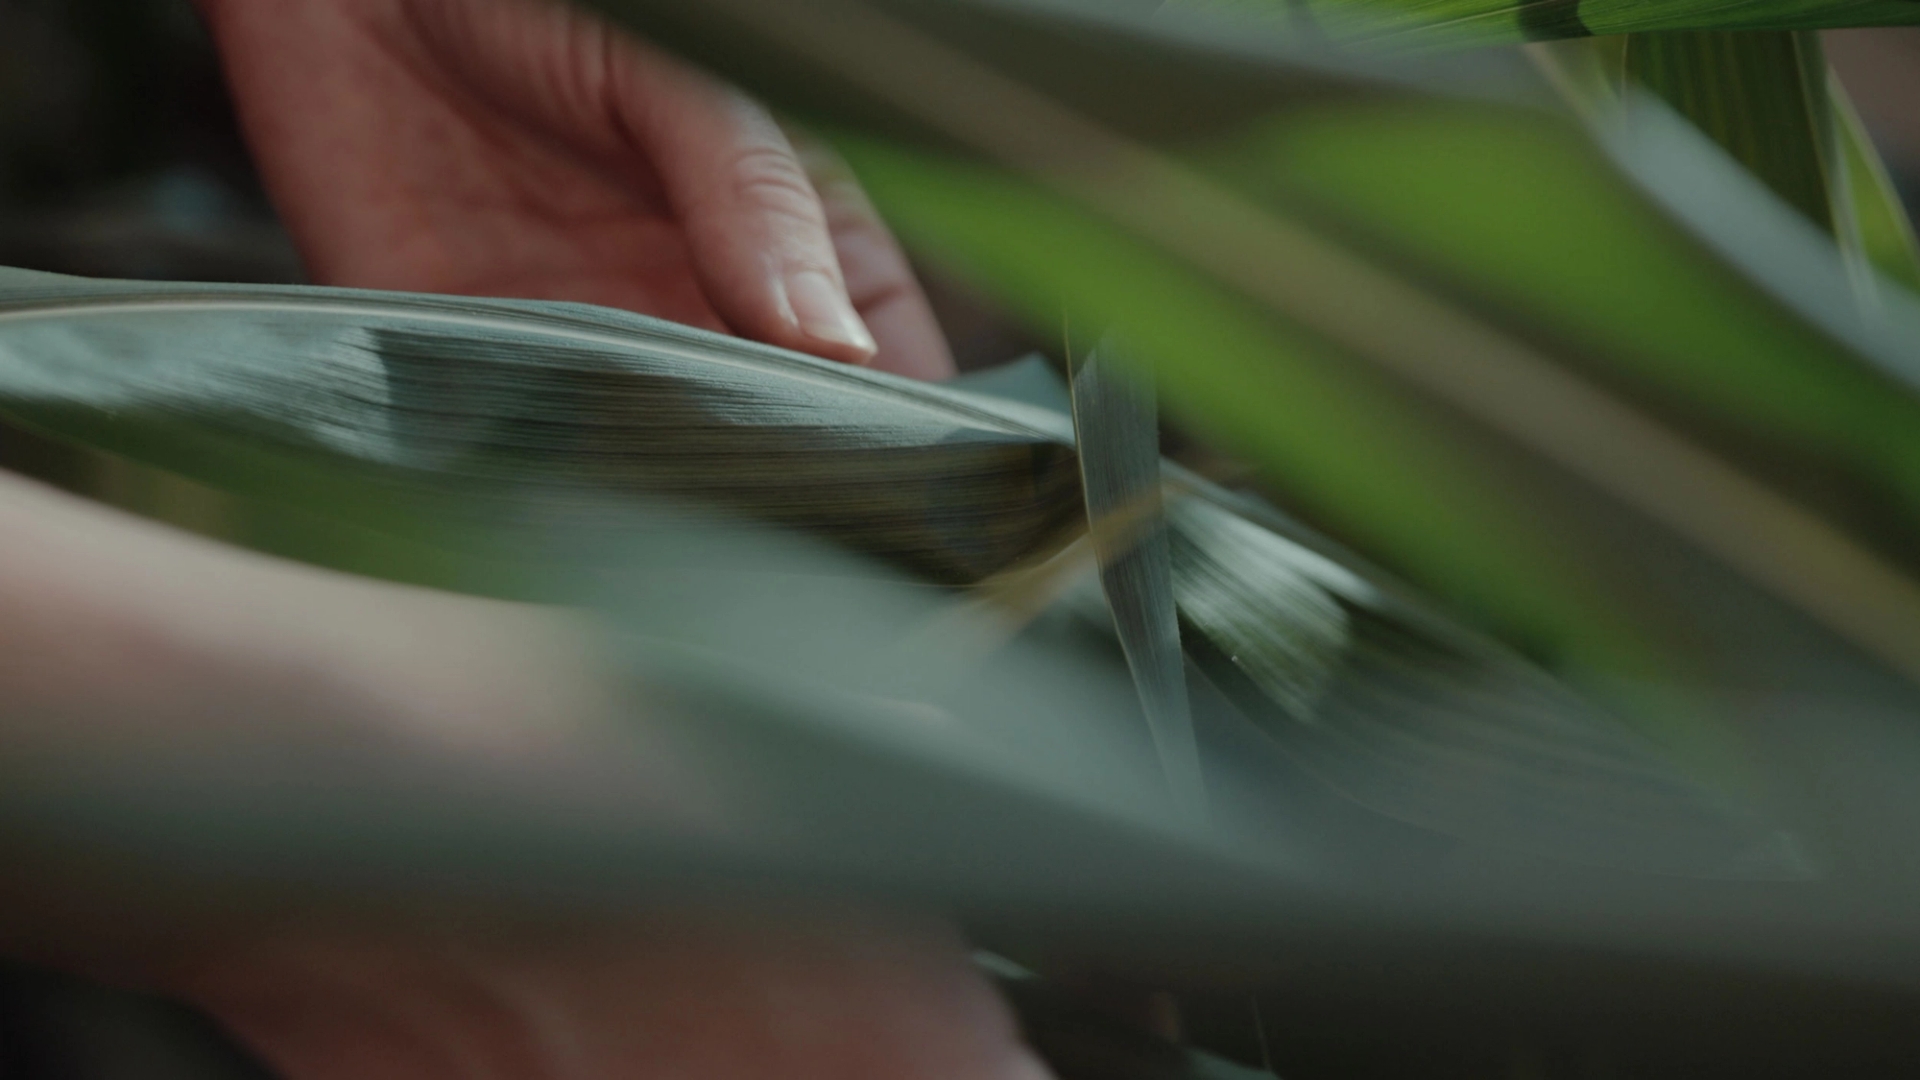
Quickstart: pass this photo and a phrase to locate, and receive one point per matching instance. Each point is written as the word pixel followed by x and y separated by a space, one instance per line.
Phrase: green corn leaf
pixel 1357 455
pixel 1519 198
pixel 1770 101
pixel 1500 208
pixel 1117 429
pixel 440 423
pixel 1761 96
pixel 772 745
pixel 1877 219
pixel 1156 73
pixel 1427 24
pixel 476 395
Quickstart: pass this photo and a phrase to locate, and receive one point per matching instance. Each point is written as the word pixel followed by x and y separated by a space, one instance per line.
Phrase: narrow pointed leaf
pixel 445 425
pixel 1754 94
pixel 1877 218
pixel 461 398
pixel 1427 24
pixel 1419 725
pixel 1761 96
pixel 1443 731
pixel 1116 424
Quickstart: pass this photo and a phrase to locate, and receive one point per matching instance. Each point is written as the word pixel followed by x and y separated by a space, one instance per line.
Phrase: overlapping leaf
pixel 1468 23
pixel 426 420
pixel 1117 432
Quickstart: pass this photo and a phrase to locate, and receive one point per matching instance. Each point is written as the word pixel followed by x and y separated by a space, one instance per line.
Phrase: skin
pixel 509 148
pixel 520 148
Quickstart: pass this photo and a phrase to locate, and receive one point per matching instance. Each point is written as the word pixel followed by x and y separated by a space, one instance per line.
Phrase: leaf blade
pixel 1116 421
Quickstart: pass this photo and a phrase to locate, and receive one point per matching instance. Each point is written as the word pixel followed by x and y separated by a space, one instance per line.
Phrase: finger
pixel 880 280
pixel 756 227
pixel 756 231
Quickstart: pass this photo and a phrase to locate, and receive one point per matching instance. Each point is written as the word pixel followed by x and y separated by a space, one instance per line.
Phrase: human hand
pixel 521 148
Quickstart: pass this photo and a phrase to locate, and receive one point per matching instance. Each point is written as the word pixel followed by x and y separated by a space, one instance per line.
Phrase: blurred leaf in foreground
pixel 1473 23
pixel 1117 432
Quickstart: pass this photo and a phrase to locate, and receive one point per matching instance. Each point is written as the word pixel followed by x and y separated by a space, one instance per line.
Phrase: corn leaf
pixel 1117 429
pixel 1877 222
pixel 440 423
pixel 1472 23
pixel 1794 128
pixel 773 746
pixel 1760 96
pixel 475 395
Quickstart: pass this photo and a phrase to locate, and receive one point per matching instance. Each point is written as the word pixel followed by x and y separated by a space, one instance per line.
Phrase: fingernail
pixel 824 314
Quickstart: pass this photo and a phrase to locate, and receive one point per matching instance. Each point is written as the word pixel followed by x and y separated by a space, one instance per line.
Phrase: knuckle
pixel 771 180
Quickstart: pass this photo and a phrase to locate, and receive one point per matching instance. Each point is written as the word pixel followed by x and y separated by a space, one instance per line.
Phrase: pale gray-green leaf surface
pixel 430 430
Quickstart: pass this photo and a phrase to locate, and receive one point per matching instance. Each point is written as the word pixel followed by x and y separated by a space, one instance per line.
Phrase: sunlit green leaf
pixel 1528 215
pixel 1354 453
